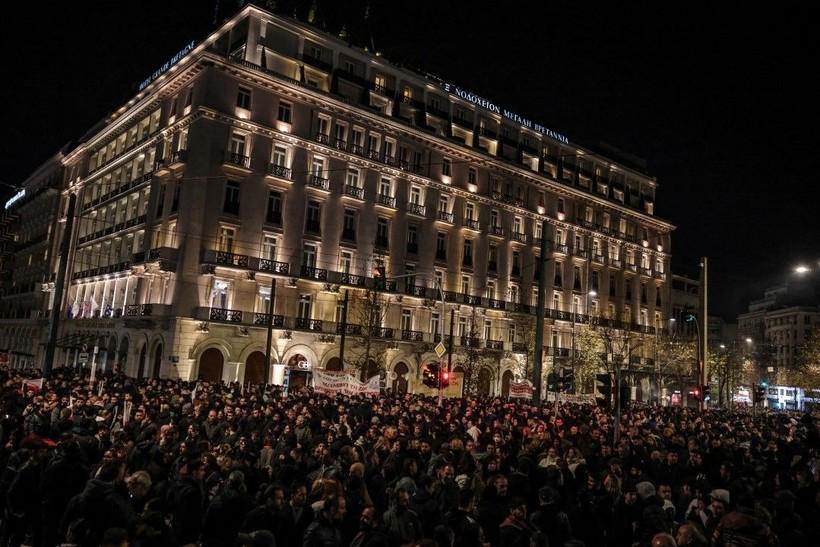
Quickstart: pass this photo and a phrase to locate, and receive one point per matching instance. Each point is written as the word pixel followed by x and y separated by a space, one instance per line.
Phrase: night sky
pixel 720 105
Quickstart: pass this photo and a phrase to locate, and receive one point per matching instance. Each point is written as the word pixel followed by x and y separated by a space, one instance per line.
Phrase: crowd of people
pixel 164 462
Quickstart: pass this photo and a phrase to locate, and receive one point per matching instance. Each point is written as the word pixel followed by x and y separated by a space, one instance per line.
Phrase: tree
pixel 367 311
pixel 726 369
pixel 589 359
pixel 676 359
pixel 469 355
pixel 805 372
pixel 525 335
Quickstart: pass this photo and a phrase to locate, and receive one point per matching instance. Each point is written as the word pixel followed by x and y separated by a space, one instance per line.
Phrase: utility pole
pixel 59 283
pixel 344 331
pixel 704 371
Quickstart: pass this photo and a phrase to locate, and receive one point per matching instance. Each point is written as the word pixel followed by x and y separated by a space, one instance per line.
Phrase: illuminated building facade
pixel 273 162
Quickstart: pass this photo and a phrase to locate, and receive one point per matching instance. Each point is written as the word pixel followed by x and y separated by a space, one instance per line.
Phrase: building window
pixel 415 195
pixel 243 98
pixel 406 320
pixel 285 112
pixel 309 253
pixel 517 225
pixel 443 203
pixel 472 175
pixel 516 263
pixel 560 205
pixel 511 334
pixel 469 211
pixel 352 178
pixel 280 155
pixel 412 239
pixel 317 167
pixel 494 219
pixel 346 262
pixel 492 258
pixel 441 246
pixel 382 233
pixel 314 215
pixel 304 306
pixel 274 213
pixel 231 204
pixel 488 330
pixel 446 167
pixel 268 247
pixel 465 284
pixel 490 289
pixel 349 226
pixel 220 293
pixel 385 187
pixel 435 323
pixel 238 144
pixel 468 253
pixel 227 236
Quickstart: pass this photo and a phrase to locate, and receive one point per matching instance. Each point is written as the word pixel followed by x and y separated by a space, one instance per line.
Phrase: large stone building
pixel 239 205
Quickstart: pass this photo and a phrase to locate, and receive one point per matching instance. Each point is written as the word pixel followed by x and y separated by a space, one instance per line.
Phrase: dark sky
pixel 721 105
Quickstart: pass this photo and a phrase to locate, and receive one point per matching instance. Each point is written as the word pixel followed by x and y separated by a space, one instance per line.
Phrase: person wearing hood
pixel 653 519
pixel 103 504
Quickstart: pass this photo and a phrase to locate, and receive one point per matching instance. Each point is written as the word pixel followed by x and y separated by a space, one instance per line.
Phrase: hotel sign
pixel 492 107
pixel 168 64
pixel 16 197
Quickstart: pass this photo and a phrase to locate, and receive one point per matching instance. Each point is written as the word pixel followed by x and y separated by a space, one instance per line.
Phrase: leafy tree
pixel 469 355
pixel 726 370
pixel 805 372
pixel 676 358
pixel 525 333
pixel 589 358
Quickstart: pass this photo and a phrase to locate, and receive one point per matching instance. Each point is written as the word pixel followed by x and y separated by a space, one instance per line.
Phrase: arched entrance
pixel 122 355
pixel 142 361
pixel 483 381
pixel 506 378
pixel 334 363
pixel 210 365
pixel 298 372
pixel 157 361
pixel 255 368
pixel 399 385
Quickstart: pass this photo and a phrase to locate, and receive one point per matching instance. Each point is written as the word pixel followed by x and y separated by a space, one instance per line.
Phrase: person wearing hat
pixel 654 519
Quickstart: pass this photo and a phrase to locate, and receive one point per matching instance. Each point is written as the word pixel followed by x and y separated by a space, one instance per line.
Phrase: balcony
pixel 357 149
pixel 412 335
pixel 349 328
pixel 339 144
pixel 471 224
pixel 416 209
pixel 494 345
pixel 322 138
pixel 519 237
pixel 313 325
pixel 445 217
pixel 599 259
pixel 381 332
pixel 386 201
pixel 521 308
pixel 353 280
pixel 236 162
pixel 174 161
pixel 353 192
pixel 470 300
pixel 562 248
pixel 320 183
pixel 470 341
pixel 496 304
pixel 280 171
pixel 519 347
pixel 147 310
pixel 415 290
pixel 316 274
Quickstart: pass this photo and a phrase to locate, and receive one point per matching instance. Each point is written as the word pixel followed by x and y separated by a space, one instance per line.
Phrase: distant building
pixel 263 174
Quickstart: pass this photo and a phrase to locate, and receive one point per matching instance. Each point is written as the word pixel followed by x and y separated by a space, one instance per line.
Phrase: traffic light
pixel 552 381
pixel 568 379
pixel 760 392
pixel 704 393
pixel 431 375
pixel 445 378
pixel 696 393
pixel 603 388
